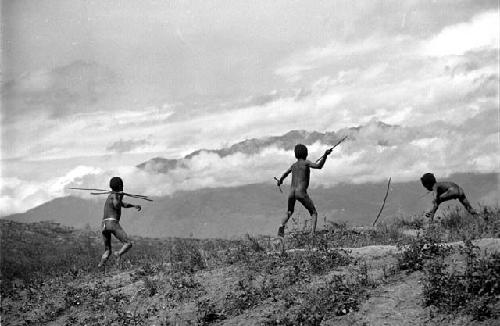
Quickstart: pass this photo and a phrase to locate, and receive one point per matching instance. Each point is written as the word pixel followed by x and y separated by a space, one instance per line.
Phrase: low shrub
pixel 414 252
pixel 314 305
pixel 475 291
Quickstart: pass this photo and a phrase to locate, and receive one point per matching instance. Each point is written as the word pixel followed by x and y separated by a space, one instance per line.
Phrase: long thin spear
pixel 383 204
pixel 105 192
pixel 337 144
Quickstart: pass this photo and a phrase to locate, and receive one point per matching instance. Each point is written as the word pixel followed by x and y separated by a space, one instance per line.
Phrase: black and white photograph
pixel 237 162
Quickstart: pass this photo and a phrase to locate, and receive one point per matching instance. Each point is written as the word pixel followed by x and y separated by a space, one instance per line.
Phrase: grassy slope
pixel 49 277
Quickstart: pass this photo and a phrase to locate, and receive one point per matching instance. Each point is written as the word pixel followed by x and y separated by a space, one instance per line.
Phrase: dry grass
pixel 49 275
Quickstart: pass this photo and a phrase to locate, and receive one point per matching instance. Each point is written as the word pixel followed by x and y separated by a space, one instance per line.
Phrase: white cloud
pixel 481 33
pixel 429 91
pixel 293 72
pixel 18 195
pixel 311 59
pixel 355 54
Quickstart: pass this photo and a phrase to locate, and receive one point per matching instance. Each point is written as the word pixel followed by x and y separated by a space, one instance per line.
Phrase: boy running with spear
pixel 300 182
pixel 111 220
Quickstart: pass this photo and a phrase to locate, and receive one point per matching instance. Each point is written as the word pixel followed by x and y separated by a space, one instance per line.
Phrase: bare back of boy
pixel 111 219
pixel 446 190
pixel 300 182
pixel 301 171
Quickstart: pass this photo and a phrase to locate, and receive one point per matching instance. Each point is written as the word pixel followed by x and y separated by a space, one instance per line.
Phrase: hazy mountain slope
pixel 255 145
pixel 71 211
pixel 248 146
pixel 258 208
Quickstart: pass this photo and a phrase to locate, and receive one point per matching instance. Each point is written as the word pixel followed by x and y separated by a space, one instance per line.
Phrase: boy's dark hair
pixel 300 151
pixel 428 180
pixel 116 184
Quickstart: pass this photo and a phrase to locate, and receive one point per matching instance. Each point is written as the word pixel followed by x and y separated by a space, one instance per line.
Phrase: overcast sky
pixel 92 88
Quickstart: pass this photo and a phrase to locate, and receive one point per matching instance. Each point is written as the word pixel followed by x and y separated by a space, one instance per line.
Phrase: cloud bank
pixel 374 152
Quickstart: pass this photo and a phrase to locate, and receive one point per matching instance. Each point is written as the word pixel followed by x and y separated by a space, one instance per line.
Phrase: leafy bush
pixel 421 248
pixel 475 291
pixel 311 307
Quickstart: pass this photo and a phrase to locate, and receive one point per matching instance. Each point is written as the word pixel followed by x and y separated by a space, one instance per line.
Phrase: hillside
pixel 256 209
pixel 344 277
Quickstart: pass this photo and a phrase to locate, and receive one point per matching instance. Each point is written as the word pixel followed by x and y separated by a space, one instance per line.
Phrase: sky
pixel 90 89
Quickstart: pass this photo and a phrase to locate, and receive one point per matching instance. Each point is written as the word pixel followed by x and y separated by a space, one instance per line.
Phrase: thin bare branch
pixel 383 204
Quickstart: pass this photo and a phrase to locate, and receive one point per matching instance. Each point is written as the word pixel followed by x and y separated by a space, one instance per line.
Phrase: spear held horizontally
pixel 105 192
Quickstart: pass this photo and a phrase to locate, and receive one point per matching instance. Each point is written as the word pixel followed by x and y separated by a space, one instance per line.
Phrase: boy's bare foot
pixel 281 231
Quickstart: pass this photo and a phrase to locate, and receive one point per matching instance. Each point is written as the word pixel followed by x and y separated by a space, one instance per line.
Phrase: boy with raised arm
pixel 111 220
pixel 300 182
pixel 444 191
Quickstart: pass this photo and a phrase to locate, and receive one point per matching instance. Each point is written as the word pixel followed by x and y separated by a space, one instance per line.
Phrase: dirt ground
pixel 398 302
pixel 395 301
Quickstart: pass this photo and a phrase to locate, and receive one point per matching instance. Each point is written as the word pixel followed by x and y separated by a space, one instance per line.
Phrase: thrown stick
pixel 383 204
pixel 337 144
pixel 105 192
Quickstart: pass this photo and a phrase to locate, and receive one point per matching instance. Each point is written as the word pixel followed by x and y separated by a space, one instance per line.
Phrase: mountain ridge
pixel 251 146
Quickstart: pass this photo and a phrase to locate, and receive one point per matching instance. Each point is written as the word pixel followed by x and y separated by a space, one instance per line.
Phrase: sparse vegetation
pixel 410 222
pixel 461 225
pixel 340 236
pixel 49 274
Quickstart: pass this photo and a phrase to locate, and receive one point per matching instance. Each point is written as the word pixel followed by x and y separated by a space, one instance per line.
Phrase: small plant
pixel 207 312
pixel 150 285
pixel 312 306
pixel 186 255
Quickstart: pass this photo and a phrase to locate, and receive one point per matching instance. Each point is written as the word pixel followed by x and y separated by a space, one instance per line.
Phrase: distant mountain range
pixel 255 145
pixel 258 208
